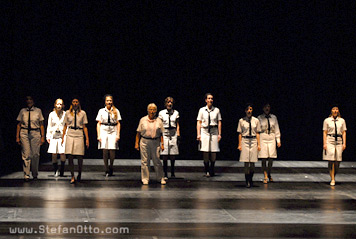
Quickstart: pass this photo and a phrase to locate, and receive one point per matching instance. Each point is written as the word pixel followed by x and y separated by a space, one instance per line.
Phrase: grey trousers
pixel 150 149
pixel 30 144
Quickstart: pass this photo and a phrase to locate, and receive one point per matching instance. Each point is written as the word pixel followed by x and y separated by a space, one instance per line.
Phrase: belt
pixel 249 137
pixel 150 138
pixel 333 135
pixel 75 128
pixel 170 128
pixel 30 129
pixel 109 124
pixel 211 126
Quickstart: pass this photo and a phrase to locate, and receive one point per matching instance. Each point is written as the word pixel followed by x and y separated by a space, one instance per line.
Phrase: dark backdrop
pixel 298 55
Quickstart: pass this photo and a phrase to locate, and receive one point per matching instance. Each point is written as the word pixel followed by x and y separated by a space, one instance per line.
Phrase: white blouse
pixel 203 116
pixel 164 116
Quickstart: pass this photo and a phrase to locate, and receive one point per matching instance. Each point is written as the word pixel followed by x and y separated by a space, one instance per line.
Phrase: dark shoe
pixel 173 175
pixel 111 171
pixel 79 177
pixel 247 179
pixel 61 173
pixel 55 169
pixel 212 170
pixel 206 167
pixel 251 181
pixel 35 178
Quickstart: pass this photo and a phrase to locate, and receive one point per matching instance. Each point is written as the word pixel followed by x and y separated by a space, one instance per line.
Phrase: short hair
pixel 152 105
pixel 108 95
pixel 266 103
pixel 29 96
pixel 248 105
pixel 206 95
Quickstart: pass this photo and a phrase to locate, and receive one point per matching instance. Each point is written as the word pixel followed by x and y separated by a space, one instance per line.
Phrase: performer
pixel 334 140
pixel 54 136
pixel 30 135
pixel 269 135
pixel 75 120
pixel 171 135
pixel 148 141
pixel 209 133
pixel 108 130
pixel 249 143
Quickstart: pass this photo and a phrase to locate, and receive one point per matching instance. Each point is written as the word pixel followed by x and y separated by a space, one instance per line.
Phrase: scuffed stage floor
pixel 299 204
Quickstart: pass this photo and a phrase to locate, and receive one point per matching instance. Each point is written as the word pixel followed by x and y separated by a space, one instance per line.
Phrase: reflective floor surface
pixel 299 204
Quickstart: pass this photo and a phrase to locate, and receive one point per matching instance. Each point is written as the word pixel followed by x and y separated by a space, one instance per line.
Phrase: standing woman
pixel 270 139
pixel 209 133
pixel 334 140
pixel 30 135
pixel 170 119
pixel 149 141
pixel 54 136
pixel 108 130
pixel 75 121
pixel 249 143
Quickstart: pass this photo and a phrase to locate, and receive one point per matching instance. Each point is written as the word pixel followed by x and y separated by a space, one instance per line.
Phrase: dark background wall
pixel 298 55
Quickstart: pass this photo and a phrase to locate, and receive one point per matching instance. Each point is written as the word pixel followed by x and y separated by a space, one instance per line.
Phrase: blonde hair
pixel 152 105
pixel 54 109
pixel 113 109
pixel 71 107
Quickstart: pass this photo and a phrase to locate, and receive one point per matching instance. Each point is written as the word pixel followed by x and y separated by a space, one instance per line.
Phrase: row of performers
pixel 160 136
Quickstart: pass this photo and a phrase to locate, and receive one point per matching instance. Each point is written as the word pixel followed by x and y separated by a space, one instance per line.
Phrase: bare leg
pixel 331 166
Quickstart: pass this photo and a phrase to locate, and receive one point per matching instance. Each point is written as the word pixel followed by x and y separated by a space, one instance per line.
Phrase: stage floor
pixel 299 204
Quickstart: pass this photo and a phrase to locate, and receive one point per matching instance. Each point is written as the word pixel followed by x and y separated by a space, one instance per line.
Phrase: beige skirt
pixel 209 142
pixel 333 150
pixel 74 145
pixel 249 150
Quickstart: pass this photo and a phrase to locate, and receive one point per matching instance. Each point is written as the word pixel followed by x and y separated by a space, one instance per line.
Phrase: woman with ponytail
pixel 108 130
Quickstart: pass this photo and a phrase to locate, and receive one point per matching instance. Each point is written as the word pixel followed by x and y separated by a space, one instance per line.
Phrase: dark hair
pixel 248 105
pixel 265 104
pixel 107 95
pixel 29 96
pixel 206 95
